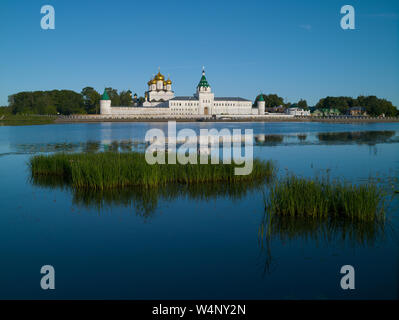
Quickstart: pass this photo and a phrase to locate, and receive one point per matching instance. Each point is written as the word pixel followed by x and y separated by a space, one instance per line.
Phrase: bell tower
pixel 205 96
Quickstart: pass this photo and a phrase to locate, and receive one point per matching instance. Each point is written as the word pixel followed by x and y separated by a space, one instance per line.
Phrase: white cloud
pixel 307 27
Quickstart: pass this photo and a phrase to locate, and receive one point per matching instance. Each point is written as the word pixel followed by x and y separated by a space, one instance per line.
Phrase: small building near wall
pixel 278 109
pixel 325 112
pixel 296 111
pixel 356 111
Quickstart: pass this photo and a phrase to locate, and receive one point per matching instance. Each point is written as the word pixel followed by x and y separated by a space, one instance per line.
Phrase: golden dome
pixel 169 81
pixel 164 83
pixel 153 81
pixel 159 76
pixel 149 82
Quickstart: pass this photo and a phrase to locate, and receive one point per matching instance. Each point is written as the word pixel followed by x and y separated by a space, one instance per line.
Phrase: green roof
pixel 203 82
pixel 261 97
pixel 105 96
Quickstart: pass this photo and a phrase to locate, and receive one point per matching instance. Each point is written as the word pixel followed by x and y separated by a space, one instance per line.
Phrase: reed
pixel 25 120
pixel 321 198
pixel 112 169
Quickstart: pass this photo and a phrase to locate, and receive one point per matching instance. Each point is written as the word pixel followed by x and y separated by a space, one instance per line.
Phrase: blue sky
pixel 296 49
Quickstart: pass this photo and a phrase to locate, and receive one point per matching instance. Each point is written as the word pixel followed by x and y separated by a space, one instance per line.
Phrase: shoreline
pixel 263 119
pixel 44 120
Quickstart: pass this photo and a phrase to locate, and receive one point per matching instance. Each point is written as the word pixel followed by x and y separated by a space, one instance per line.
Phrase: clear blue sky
pixel 293 48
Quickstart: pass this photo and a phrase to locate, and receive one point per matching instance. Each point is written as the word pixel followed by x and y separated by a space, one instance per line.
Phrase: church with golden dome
pixel 159 91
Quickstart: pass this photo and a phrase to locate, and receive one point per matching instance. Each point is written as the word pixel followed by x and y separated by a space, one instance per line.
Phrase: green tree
pixel 46 102
pixel 5 110
pixel 125 98
pixel 374 106
pixel 91 100
pixel 340 103
pixel 114 96
pixel 303 104
pixel 271 100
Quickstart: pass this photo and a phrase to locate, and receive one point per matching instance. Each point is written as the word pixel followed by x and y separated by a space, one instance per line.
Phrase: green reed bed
pixel 110 170
pixel 25 120
pixel 322 198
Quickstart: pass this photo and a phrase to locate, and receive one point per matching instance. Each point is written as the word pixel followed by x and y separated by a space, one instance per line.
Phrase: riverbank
pixel 25 120
pixel 266 118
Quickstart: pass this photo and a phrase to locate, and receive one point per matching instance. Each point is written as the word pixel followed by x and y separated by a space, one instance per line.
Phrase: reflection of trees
pixel 269 140
pixel 328 231
pixel 329 138
pixel 88 146
pixel 146 200
pixel 358 137
pixel 302 137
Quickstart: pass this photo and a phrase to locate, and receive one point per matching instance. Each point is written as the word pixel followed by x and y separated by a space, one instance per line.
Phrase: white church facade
pixel 161 101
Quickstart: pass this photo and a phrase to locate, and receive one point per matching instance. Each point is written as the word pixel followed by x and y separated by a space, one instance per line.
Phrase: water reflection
pixel 327 231
pixel 88 146
pixel 269 140
pixel 358 137
pixel 302 137
pixel 370 138
pixel 145 201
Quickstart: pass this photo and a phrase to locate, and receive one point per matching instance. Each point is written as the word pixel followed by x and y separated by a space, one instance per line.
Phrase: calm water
pixel 193 243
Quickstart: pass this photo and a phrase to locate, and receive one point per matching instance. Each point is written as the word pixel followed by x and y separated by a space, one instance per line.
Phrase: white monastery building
pixel 160 100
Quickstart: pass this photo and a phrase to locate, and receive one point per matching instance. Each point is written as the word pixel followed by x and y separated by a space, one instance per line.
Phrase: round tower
pixel 168 85
pixel 261 105
pixel 105 104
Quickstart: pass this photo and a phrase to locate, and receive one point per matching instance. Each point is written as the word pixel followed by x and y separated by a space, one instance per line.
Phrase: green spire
pixel 203 82
pixel 105 96
pixel 261 97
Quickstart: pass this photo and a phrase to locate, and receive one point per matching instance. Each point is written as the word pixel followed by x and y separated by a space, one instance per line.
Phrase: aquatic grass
pixel 322 211
pixel 25 120
pixel 112 169
pixel 320 198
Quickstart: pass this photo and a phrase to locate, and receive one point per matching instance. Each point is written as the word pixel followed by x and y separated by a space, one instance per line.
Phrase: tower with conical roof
pixel 203 85
pixel 261 105
pixel 204 95
pixel 105 103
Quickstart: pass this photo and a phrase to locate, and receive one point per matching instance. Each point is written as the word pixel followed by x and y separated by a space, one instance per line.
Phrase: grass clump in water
pixel 321 198
pixel 111 170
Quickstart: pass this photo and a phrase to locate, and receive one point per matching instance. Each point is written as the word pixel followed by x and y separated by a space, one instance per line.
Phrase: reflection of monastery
pixel 160 100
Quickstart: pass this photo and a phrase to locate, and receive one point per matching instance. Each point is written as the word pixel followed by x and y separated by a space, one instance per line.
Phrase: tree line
pixel 67 101
pixel 374 106
pixel 88 102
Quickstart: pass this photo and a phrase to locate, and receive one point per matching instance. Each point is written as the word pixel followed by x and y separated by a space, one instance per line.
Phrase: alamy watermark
pixel 348 20
pixel 185 146
pixel 48 280
pixel 348 280
pixel 48 20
